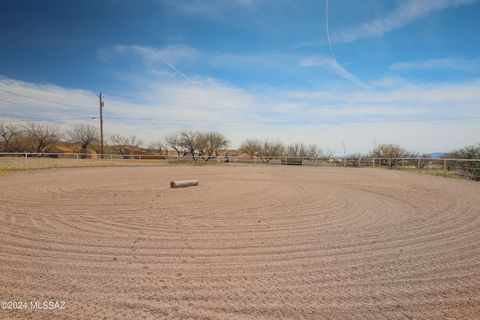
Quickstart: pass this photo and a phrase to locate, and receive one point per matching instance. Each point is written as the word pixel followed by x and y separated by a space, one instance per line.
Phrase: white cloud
pixel 166 106
pixel 445 63
pixel 453 98
pixel 407 12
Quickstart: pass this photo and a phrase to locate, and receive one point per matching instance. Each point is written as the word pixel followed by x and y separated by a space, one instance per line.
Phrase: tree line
pixel 37 137
pixel 44 137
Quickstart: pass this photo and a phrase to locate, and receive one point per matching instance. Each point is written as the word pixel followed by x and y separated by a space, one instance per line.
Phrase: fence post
pixel 390 163
pixel 373 162
pixel 344 162
pixel 26 161
pixel 445 167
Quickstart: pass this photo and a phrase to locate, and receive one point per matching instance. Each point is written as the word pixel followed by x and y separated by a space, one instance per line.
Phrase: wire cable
pixel 44 100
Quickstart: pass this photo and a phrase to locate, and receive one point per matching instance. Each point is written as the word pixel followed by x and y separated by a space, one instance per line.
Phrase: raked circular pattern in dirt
pixel 250 242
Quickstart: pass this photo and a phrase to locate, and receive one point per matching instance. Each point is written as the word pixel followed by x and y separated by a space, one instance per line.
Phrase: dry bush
pixel 469 152
pixel 389 154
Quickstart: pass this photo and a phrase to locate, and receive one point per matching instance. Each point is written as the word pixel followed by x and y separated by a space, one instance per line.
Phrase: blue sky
pixel 250 68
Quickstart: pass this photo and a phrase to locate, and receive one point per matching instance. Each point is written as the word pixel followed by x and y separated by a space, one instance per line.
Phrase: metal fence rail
pixel 466 168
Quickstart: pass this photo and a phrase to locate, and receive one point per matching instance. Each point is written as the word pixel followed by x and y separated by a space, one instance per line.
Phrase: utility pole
pixel 101 123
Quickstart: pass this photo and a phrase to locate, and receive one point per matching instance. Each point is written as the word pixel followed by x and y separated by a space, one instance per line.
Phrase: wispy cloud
pixel 172 53
pixel 213 8
pixel 280 63
pixel 164 106
pixel 167 55
pixel 333 65
pixel 407 12
pixel 445 63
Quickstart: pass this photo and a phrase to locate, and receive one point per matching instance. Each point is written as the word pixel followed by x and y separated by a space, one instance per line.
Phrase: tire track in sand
pixel 248 243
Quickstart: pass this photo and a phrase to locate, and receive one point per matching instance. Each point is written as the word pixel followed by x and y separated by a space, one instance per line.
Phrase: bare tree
pixel 188 141
pixel 158 146
pixel 124 145
pixel 173 141
pixel 85 135
pixel 8 132
pixel 210 144
pixel 251 147
pixel 295 150
pixel 41 137
pixel 313 151
pixel 300 150
pixel 270 150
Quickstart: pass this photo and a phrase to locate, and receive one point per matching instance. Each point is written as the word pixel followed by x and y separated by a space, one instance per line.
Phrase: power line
pixel 44 100
pixel 286 122
pixel 48 101
pixel 25 106
pixel 46 120
pixel 299 121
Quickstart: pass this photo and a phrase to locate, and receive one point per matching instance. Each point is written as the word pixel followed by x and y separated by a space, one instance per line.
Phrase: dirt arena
pixel 250 242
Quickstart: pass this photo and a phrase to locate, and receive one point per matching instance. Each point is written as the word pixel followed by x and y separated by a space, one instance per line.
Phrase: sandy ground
pixel 248 243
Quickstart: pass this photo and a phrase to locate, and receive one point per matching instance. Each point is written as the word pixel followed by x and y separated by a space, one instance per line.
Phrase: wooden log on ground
pixel 184 183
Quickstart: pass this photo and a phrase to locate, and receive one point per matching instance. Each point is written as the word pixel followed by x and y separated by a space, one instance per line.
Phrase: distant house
pixel 230 153
pixel 64 149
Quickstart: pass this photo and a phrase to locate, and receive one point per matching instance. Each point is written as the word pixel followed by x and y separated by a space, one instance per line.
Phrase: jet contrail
pixel 337 66
pixel 328 32
pixel 176 70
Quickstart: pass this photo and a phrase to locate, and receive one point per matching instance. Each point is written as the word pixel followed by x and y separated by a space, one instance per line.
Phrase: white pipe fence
pixel 468 168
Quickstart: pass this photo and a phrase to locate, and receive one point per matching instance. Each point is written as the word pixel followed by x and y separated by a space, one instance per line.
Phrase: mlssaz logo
pixel 47 305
